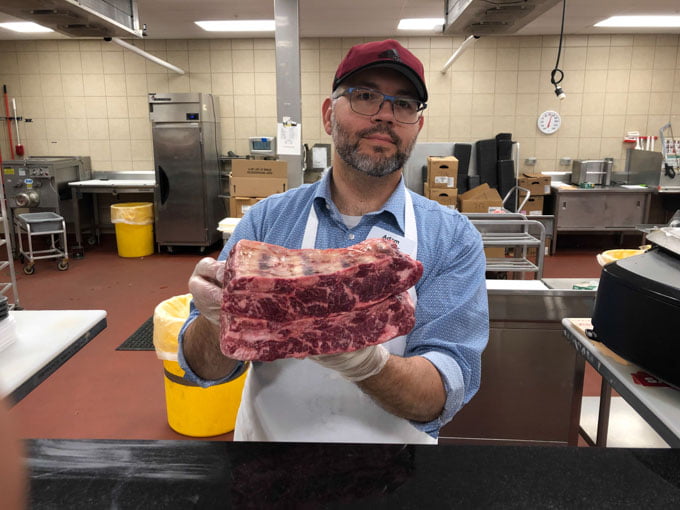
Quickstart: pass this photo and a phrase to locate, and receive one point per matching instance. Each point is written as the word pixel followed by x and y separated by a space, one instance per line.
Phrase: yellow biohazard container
pixel 192 410
pixel 133 222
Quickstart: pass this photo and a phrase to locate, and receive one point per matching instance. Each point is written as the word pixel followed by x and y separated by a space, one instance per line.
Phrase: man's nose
pixel 385 112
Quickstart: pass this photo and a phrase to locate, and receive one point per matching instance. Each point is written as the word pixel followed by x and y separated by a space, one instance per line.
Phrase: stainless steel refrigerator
pixel 186 134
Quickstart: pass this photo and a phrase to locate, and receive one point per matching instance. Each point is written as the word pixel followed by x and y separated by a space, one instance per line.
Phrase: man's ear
pixel 326 111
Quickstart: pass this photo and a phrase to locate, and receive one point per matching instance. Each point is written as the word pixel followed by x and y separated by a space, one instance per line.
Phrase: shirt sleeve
pixel 244 230
pixel 452 322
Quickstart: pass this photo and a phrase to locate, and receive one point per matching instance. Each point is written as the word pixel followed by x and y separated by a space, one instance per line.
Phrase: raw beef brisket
pixel 261 340
pixel 281 303
pixel 264 281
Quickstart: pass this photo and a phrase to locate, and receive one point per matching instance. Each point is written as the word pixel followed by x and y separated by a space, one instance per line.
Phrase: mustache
pixel 382 129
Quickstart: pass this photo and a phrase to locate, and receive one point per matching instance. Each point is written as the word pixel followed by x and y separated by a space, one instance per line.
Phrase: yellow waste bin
pixel 192 410
pixel 133 222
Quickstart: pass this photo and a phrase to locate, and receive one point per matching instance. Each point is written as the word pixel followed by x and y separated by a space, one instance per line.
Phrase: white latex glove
pixel 358 365
pixel 205 285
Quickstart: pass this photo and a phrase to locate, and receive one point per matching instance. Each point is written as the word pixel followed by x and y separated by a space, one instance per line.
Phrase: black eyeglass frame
pixel 386 97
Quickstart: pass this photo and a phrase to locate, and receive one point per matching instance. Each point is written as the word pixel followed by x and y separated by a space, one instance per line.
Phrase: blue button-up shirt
pixel 452 320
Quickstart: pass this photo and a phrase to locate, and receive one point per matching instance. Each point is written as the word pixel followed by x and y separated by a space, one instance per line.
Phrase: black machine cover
pixel 637 312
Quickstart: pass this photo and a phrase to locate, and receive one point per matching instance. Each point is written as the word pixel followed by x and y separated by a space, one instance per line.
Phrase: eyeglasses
pixel 369 102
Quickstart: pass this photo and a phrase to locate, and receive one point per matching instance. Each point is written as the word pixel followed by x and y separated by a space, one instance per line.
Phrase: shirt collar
pixel 394 205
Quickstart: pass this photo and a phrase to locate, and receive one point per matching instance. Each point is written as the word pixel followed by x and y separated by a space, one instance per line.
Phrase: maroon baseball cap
pixel 387 53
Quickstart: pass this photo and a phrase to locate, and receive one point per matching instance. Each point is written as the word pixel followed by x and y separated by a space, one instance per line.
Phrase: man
pixel 399 392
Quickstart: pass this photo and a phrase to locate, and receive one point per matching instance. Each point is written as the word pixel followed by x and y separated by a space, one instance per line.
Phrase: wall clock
pixel 549 122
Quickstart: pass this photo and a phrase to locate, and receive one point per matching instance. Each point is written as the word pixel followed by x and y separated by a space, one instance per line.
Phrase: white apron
pixel 292 400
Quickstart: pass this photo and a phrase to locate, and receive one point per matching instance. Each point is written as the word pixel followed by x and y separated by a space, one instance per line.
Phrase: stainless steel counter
pixel 532 379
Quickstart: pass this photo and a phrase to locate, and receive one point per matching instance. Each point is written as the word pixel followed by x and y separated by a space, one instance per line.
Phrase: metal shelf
pixel 7 263
pixel 517 234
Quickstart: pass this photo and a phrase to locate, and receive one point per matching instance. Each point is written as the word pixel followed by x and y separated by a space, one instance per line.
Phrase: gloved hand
pixel 358 365
pixel 205 285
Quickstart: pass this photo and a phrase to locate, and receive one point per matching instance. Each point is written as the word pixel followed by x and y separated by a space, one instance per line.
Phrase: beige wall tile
pixel 199 82
pixel 74 107
pixel 638 103
pixel 483 82
pixel 618 80
pixel 243 61
pixel 93 85
pixel 133 63
pixel 595 81
pixel 244 107
pixel 482 104
pixel 177 58
pixel 529 58
pixel 119 129
pixel 157 83
pixel 459 104
pixel 135 84
pixel 113 63
pixel 222 84
pixel 54 108
pixel 179 83
pixel 484 59
pixel 244 83
pixel 220 61
pixel 574 58
pixel 505 104
pixel 140 129
pixel 265 106
pixel 138 107
pixel 265 84
pixel 51 85
pixel 76 129
pixel 660 103
pixel 593 104
pixel 98 129
pixel 48 63
pixel 265 61
pixel 643 57
pixel 614 126
pixel 114 85
pixel 462 81
pixel 121 151
pixel 72 85
pixel 92 62
pixel 591 126
pixel 481 126
pixel 70 62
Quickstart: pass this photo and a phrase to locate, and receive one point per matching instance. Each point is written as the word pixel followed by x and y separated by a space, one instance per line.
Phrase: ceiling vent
pixel 501 17
pixel 79 18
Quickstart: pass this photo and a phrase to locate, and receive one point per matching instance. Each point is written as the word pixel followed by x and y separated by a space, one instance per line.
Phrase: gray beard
pixel 374 165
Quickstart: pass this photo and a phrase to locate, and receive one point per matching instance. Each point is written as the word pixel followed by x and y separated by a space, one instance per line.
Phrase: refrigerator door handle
pixel 164 184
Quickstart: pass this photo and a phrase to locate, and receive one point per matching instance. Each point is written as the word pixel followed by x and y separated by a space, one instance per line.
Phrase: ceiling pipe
pixel 469 40
pixel 144 54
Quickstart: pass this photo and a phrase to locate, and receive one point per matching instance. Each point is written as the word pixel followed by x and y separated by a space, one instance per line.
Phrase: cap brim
pixel 421 90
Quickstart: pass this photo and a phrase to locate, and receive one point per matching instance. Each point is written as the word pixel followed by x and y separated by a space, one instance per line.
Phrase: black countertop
pixel 101 474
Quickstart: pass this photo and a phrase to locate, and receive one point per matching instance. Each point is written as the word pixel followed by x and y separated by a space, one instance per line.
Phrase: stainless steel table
pixel 658 404
pixel 108 186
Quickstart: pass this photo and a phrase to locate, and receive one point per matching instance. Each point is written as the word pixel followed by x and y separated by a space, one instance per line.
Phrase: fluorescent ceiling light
pixel 27 27
pixel 420 23
pixel 245 25
pixel 640 21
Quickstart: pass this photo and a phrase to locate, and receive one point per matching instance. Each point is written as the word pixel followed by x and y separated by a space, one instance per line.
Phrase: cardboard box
pixel 494 252
pixel 272 168
pixel 481 199
pixel 446 197
pixel 442 172
pixel 536 184
pixel 258 177
pixel 534 205
pixel 256 187
pixel 238 206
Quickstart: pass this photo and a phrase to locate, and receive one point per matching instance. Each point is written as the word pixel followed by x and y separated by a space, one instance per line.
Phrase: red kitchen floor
pixel 103 393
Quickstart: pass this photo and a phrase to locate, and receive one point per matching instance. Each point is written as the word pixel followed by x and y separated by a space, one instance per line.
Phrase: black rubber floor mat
pixel 140 340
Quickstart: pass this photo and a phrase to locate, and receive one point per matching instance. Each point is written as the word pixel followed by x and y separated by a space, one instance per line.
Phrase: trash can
pixel 134 228
pixel 192 410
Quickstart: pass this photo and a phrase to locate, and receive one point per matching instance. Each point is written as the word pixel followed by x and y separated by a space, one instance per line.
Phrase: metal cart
pixel 42 224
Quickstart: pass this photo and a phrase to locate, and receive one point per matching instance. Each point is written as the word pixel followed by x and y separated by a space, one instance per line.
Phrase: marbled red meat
pixel 249 339
pixel 264 281
pixel 281 303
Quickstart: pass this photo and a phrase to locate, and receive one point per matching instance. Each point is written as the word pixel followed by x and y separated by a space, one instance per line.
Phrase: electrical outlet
pixel 565 161
pixel 530 162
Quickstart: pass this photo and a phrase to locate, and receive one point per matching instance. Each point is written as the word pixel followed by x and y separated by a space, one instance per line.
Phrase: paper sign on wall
pixel 289 138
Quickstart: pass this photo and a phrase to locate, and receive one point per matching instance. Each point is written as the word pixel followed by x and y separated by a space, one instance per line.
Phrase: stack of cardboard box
pixel 254 179
pixel 538 186
pixel 441 185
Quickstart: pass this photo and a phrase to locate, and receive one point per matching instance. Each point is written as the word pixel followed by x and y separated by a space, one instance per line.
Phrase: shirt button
pixel 351 236
pixel 328 206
